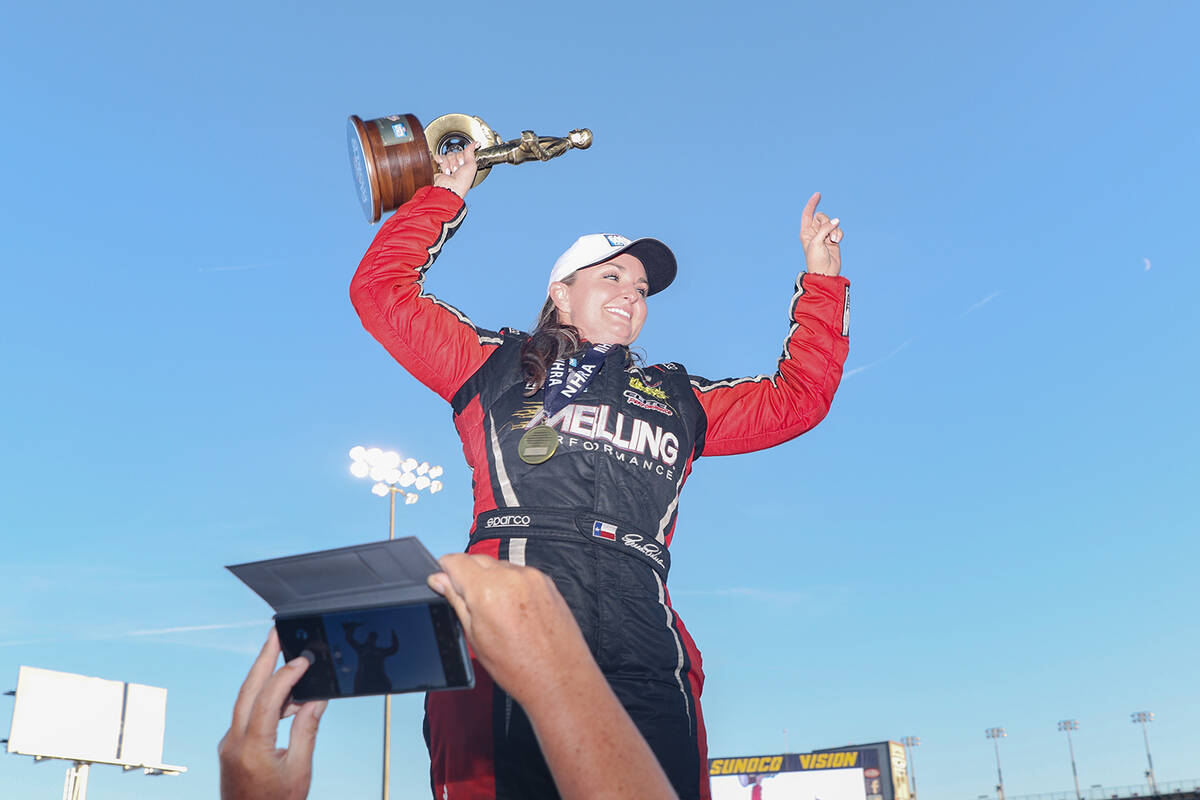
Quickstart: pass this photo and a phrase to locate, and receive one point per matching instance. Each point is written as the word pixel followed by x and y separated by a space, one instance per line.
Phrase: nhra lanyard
pixel 563 385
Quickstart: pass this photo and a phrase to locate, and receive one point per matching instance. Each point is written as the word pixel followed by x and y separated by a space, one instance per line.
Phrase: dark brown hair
pixel 550 341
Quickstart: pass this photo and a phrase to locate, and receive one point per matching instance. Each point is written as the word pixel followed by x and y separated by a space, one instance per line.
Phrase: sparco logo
pixel 509 521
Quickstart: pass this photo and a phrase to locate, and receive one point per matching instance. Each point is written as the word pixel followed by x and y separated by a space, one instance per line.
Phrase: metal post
pixel 999 774
pixel 387 469
pixel 1143 717
pixel 910 742
pixel 391 513
pixel 1074 769
pixel 387 698
pixel 1069 725
pixel 995 734
pixel 75 787
pixel 387 743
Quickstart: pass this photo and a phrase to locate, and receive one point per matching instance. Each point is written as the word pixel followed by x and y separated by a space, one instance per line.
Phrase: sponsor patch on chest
pixel 635 399
pixel 628 434
pixel 639 385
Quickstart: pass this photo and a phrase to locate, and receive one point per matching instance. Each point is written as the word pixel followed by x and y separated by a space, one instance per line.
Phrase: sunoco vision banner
pixel 862 772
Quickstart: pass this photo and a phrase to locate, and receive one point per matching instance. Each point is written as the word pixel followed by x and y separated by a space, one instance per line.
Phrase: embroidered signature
pixel 651 550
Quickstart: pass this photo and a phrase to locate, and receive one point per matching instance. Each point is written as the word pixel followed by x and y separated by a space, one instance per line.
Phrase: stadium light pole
pixel 1069 725
pixel 1142 717
pixel 910 742
pixel 996 734
pixel 392 476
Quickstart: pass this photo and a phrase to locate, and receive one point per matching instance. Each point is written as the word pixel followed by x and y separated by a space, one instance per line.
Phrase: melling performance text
pixel 627 434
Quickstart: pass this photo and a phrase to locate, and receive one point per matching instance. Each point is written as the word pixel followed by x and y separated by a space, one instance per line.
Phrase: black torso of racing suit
pixel 594 516
pixel 597 516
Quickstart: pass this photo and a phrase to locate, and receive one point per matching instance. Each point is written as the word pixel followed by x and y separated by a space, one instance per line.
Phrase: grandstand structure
pixel 1176 790
pixel 879 771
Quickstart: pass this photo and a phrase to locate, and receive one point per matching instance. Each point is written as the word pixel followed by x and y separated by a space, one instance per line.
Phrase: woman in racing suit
pixel 592 502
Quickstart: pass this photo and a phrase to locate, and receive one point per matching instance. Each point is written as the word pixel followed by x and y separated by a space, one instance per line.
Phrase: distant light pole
pixel 1143 717
pixel 996 734
pixel 392 476
pixel 909 743
pixel 1069 725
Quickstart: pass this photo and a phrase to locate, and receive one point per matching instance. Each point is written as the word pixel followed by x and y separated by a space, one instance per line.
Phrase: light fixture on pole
pixel 1143 717
pixel 996 734
pixel 1069 725
pixel 909 743
pixel 392 476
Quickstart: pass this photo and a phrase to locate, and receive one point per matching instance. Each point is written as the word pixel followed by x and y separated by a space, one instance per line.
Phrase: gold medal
pixel 538 444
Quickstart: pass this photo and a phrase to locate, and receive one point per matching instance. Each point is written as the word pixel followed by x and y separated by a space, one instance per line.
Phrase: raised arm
pixel 745 414
pixel 433 340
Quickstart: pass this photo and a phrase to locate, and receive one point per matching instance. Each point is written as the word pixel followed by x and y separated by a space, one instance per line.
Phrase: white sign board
pixel 825 784
pixel 74 717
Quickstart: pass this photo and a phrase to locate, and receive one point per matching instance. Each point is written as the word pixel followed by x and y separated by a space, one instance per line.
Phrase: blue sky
pixel 995 526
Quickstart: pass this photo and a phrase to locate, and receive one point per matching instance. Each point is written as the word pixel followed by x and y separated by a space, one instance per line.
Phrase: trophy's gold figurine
pixel 392 156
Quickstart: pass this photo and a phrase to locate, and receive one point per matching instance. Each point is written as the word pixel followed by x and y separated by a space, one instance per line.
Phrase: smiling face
pixel 606 303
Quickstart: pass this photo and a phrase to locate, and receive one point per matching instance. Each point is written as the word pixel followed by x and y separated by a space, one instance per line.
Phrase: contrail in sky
pixel 149 632
pixel 876 363
pixel 753 593
pixel 25 642
pixel 191 628
pixel 983 302
pixel 233 268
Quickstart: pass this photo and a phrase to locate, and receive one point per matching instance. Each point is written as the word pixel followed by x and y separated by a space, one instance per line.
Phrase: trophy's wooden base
pixel 390 159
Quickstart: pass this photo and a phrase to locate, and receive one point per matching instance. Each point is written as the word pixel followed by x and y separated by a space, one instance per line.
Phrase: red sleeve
pixel 432 339
pixel 746 414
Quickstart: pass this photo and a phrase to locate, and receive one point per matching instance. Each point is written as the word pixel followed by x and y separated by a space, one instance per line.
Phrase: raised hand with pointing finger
pixel 821 238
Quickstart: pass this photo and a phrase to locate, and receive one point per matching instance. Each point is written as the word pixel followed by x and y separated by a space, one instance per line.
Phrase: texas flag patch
pixel 605 531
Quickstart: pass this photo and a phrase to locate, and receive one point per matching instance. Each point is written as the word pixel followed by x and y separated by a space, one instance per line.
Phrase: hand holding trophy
pixel 393 156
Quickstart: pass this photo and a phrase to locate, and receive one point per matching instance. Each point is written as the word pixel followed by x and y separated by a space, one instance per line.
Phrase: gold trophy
pixel 392 156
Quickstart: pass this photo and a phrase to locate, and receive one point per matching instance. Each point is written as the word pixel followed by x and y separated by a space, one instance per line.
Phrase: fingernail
pixel 320 709
pixel 834 221
pixel 307 655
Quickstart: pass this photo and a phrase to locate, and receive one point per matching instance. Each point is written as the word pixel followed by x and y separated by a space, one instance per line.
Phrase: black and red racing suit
pixel 599 515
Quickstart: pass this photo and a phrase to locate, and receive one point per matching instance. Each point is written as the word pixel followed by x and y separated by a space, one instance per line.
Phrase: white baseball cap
pixel 596 248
